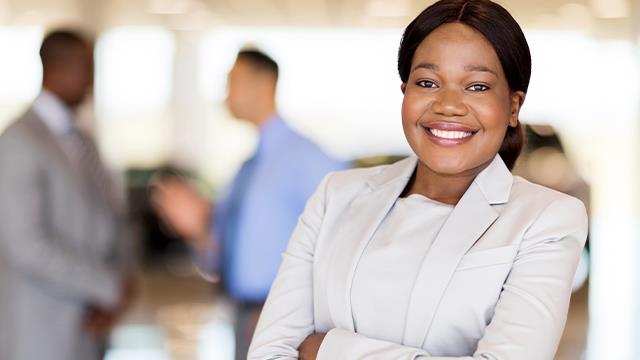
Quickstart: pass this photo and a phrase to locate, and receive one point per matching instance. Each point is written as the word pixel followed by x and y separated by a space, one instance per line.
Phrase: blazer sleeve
pixel 287 316
pixel 25 242
pixel 530 314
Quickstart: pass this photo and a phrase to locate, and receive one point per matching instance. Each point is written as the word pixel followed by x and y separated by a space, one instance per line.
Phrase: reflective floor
pixel 179 316
pixel 176 316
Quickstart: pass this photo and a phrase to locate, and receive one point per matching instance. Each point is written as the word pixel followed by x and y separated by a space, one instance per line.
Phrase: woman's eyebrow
pixel 480 68
pixel 427 66
pixel 470 68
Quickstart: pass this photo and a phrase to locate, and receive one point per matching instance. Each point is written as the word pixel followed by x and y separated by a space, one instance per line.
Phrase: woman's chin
pixel 443 166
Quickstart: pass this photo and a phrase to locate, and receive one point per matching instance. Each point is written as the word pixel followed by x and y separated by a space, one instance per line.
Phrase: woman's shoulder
pixel 547 204
pixel 360 178
pixel 525 190
pixel 358 175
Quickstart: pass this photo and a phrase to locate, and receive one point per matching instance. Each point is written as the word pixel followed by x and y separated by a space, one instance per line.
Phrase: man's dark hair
pixel 499 28
pixel 259 61
pixel 56 45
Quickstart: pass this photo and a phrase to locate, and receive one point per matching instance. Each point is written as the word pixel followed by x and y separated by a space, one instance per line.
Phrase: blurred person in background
pixel 244 236
pixel 544 161
pixel 63 245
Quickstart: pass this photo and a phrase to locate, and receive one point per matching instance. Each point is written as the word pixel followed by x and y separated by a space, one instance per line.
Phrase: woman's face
pixel 457 103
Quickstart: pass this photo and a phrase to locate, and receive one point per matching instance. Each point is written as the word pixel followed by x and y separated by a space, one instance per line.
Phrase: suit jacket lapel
pixel 77 173
pixel 361 220
pixel 471 217
pixel 93 179
pixel 96 173
pixel 44 136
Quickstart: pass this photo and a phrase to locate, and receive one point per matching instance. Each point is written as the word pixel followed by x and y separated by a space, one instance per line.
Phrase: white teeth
pixel 450 134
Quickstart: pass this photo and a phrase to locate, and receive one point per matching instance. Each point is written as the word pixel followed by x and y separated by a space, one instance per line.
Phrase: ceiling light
pixel 169 7
pixel 384 8
pixel 611 9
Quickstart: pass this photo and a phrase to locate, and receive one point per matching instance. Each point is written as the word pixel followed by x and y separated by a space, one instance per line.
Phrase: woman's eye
pixel 478 87
pixel 427 84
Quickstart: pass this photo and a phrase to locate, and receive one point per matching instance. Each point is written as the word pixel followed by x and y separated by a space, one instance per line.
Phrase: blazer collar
pixel 469 220
pixel 400 170
pixel 45 135
pixel 53 145
pixel 494 181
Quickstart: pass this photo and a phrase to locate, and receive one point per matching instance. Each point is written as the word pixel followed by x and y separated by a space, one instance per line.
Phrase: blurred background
pixel 160 83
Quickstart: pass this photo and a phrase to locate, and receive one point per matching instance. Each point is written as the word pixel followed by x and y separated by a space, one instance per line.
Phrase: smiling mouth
pixel 450 135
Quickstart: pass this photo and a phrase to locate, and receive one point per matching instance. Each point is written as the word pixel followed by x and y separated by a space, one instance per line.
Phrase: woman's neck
pixel 445 188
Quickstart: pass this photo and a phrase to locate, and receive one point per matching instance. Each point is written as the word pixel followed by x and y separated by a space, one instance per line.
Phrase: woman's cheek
pixel 412 108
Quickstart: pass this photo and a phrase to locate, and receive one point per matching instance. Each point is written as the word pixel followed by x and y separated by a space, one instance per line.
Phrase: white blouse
pixel 390 264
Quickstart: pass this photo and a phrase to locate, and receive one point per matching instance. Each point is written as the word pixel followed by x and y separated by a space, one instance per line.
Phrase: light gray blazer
pixel 62 247
pixel 495 284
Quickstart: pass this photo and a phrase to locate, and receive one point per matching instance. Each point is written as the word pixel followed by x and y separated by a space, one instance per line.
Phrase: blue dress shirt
pixel 254 222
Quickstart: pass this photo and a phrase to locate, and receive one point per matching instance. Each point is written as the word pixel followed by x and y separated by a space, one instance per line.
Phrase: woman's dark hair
pixel 499 28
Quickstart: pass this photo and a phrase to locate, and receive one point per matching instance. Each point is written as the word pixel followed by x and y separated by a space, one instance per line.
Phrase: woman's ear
pixel 517 99
pixel 403 87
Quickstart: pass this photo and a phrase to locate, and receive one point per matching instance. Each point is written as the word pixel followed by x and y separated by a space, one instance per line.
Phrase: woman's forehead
pixel 456 45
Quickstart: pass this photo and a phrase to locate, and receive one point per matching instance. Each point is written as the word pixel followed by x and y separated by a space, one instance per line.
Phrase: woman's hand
pixel 309 348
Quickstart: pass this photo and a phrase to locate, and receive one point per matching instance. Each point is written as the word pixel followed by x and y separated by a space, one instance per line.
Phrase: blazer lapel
pixel 471 217
pixel 81 174
pixel 44 136
pixel 361 220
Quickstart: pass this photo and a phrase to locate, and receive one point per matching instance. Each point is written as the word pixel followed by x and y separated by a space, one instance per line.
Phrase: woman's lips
pixel 448 134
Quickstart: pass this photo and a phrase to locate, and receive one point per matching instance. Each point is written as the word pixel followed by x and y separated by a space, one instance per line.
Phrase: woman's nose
pixel 448 103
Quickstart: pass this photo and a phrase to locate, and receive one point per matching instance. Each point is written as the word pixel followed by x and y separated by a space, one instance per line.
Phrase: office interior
pixel 160 83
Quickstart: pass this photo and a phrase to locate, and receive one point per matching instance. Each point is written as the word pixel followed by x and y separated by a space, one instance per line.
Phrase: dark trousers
pixel 247 314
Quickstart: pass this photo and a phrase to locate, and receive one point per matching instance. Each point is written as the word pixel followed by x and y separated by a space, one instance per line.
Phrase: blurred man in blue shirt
pixel 250 227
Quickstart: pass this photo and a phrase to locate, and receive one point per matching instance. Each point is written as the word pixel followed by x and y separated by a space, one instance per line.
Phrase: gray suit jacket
pixel 62 247
pixel 495 284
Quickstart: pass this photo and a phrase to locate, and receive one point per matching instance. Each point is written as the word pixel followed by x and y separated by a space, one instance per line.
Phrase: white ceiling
pixel 198 14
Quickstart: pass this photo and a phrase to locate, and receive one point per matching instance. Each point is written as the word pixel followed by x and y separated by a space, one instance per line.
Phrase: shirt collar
pixel 53 112
pixel 271 133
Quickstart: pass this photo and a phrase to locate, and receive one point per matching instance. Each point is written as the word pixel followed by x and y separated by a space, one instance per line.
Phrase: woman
pixel 444 254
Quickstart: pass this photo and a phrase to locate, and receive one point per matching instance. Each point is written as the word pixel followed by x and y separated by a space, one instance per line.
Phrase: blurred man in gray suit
pixel 62 250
